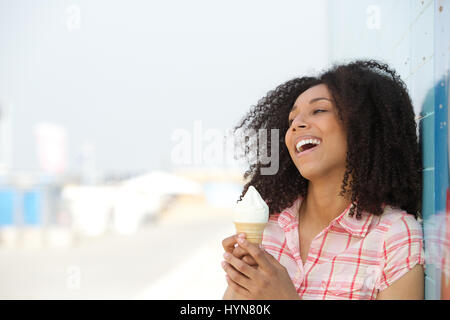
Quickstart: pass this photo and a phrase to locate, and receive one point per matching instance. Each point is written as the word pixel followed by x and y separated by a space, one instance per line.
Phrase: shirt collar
pixel 353 226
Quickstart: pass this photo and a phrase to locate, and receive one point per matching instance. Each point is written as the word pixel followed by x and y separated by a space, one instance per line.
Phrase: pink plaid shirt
pixel 349 259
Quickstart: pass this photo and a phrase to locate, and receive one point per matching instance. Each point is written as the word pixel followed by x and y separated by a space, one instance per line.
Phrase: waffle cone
pixel 253 231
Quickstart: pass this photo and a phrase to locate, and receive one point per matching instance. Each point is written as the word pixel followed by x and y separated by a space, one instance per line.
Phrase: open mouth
pixel 308 149
pixel 306 146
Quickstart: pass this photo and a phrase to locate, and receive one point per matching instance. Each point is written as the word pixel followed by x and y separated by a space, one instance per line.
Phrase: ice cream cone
pixel 253 231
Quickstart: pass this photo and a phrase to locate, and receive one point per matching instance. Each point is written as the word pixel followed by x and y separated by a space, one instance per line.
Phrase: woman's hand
pixel 268 280
pixel 230 245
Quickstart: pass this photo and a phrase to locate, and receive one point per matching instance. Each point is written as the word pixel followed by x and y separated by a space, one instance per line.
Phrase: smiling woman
pixel 371 106
pixel 345 201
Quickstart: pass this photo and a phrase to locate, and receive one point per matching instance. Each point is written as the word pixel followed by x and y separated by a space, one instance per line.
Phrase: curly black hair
pixel 383 155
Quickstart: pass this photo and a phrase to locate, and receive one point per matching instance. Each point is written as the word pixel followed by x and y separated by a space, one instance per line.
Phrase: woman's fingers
pixel 255 252
pixel 229 243
pixel 240 265
pixel 240 253
pixel 250 261
pixel 230 246
pixel 234 275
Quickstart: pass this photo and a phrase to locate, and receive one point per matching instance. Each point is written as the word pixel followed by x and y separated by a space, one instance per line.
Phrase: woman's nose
pixel 299 126
pixel 299 123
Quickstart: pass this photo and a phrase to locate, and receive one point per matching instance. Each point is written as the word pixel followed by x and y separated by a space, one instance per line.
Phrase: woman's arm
pixel 408 287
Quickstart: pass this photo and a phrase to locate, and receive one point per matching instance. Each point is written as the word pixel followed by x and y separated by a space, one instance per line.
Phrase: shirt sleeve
pixel 402 249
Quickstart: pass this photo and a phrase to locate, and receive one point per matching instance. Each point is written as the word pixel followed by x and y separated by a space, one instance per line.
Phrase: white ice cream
pixel 251 208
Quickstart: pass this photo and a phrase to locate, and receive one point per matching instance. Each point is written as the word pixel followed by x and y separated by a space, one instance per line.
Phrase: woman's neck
pixel 323 202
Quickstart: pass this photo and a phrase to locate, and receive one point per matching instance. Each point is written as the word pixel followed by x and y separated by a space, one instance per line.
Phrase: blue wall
pixel 7 199
pixel 21 207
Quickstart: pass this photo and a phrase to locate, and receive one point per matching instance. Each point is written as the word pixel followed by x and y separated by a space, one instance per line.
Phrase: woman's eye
pixel 314 112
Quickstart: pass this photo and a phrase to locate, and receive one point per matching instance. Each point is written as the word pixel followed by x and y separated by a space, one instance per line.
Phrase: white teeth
pixel 307 141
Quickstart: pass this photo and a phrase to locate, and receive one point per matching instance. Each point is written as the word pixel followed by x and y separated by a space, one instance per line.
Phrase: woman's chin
pixel 309 173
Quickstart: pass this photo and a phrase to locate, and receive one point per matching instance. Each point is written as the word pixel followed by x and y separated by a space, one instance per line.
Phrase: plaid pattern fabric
pixel 350 259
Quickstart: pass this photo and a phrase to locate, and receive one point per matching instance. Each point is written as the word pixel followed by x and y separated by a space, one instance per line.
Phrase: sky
pixel 122 76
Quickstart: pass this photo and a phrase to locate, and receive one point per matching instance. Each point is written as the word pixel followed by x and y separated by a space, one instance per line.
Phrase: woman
pixel 345 201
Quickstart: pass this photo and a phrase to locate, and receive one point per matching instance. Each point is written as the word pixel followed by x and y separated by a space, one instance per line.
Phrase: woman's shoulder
pixel 394 220
pixel 402 245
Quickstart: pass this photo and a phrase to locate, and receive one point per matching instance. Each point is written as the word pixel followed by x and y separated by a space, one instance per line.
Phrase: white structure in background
pixel 8 234
pixel 51 141
pixel 145 195
pixel 89 207
pixel 5 136
pixel 123 207
pixel 160 182
pixel 89 173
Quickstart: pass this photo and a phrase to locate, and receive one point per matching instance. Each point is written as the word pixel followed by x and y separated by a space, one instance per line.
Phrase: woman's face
pixel 314 116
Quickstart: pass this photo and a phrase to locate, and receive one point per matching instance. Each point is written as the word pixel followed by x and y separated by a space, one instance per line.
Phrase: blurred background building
pixel 112 184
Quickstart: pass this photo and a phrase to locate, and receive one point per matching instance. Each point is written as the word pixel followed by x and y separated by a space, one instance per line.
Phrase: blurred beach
pixel 176 255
